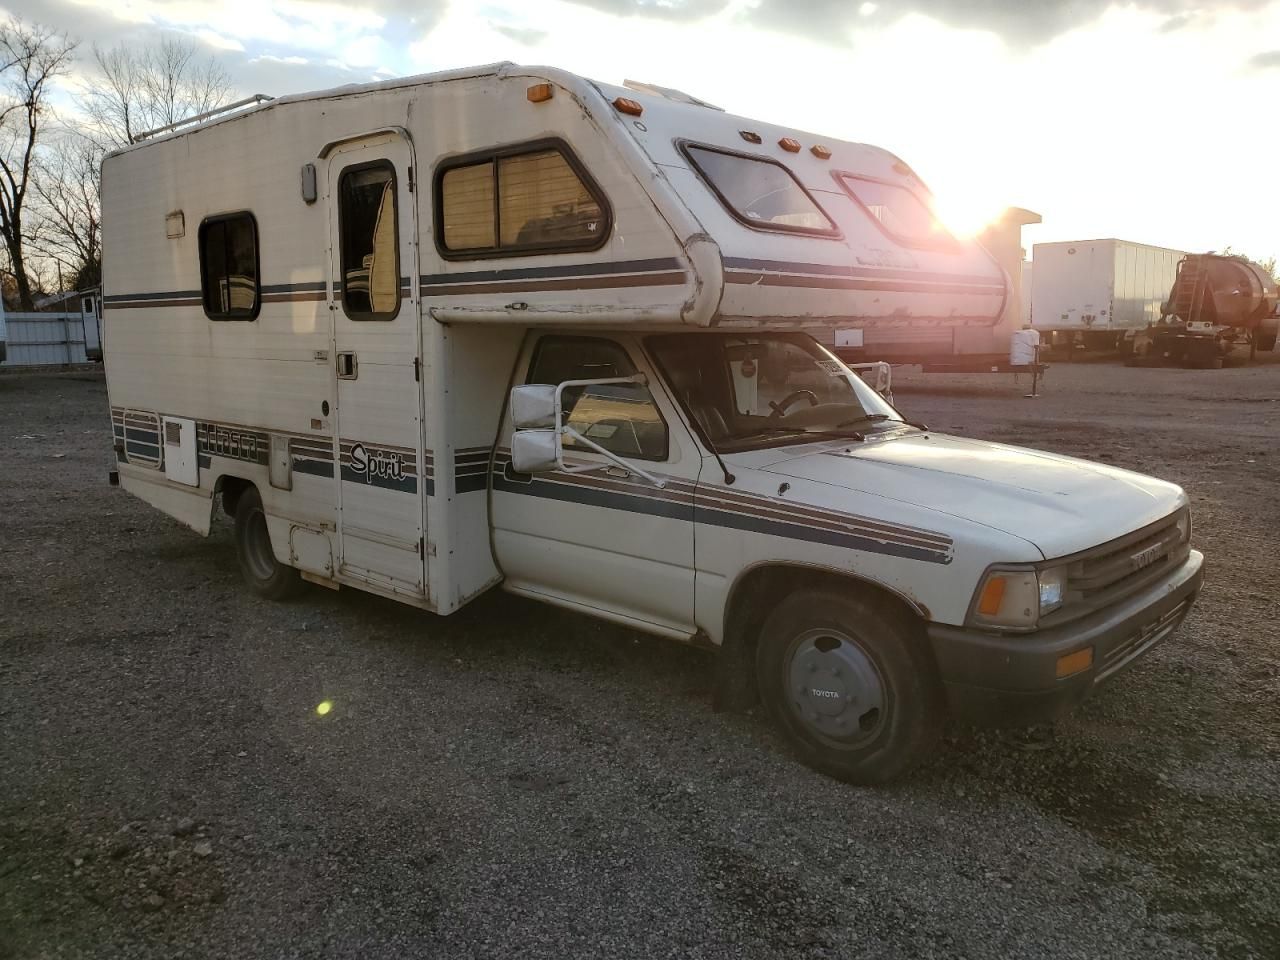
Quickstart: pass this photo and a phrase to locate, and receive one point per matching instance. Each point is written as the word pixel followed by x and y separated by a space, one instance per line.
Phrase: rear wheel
pixel 851 685
pixel 265 575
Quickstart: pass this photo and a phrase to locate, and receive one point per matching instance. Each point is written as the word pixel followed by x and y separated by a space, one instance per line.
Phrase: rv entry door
pixel 378 409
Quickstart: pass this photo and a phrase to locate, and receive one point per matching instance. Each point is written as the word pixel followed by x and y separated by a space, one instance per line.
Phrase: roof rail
pixel 246 102
pixel 679 96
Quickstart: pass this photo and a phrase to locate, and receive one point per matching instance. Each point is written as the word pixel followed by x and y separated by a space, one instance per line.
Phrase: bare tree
pixel 68 209
pixel 31 58
pixel 141 88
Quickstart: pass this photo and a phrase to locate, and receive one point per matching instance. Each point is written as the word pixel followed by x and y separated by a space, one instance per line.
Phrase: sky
pixel 1156 121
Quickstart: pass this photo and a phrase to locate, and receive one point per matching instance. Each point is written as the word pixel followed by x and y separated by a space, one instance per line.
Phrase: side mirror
pixel 535 451
pixel 533 407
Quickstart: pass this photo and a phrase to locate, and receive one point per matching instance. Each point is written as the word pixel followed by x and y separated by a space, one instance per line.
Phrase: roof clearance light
pixel 623 105
pixel 540 93
pixel 822 153
pixel 789 145
pixel 750 137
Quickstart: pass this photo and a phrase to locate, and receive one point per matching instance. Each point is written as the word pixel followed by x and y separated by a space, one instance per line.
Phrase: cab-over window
pixel 621 417
pixel 899 212
pixel 759 191
pixel 533 198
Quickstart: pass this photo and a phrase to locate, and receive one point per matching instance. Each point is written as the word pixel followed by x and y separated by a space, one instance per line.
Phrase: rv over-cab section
pixel 337 287
pixel 651 208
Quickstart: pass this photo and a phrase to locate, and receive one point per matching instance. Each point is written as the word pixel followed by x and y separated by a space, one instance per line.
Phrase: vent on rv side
pixel 181 463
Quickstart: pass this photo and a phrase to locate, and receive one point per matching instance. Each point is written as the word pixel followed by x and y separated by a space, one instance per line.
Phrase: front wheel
pixel 266 576
pixel 850 684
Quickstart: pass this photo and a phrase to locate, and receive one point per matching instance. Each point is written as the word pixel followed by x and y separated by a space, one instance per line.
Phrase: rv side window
pixel 621 417
pixel 229 267
pixel 762 193
pixel 369 239
pixel 534 198
pixel 898 211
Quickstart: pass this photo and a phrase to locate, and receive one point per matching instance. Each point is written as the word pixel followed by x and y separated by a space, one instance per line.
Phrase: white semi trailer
pixel 1101 291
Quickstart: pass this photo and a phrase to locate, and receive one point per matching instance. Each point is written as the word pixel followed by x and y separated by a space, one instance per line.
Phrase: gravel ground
pixel 518 781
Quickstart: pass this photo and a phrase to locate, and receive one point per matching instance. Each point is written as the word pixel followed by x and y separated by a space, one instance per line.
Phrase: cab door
pixel 377 413
pixel 607 541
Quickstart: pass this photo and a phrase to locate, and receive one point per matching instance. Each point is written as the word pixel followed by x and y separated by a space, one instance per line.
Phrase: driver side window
pixel 621 417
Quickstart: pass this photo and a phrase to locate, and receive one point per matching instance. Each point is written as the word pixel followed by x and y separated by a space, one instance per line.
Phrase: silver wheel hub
pixel 834 687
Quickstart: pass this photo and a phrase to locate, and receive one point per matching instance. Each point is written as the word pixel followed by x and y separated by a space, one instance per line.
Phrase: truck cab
pixel 865 575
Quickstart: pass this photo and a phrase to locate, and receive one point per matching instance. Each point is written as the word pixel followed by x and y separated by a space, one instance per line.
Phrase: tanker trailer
pixel 1217 302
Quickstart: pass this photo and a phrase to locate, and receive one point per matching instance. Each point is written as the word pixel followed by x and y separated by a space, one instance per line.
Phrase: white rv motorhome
pixel 510 326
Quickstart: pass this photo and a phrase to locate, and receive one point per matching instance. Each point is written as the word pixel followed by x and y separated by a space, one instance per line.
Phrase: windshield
pixel 759 390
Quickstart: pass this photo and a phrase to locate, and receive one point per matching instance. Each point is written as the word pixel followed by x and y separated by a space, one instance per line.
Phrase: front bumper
pixel 1012 678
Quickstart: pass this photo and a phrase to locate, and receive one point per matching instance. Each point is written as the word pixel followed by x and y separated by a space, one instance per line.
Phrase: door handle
pixel 347 368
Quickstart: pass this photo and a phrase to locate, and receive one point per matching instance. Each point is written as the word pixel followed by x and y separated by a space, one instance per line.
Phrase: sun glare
pixel 965 215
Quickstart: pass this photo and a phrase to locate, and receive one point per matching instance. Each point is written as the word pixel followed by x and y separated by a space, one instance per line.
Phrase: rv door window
pixel 229 267
pixel 369 241
pixel 899 211
pixel 518 200
pixel 762 193
pixel 621 417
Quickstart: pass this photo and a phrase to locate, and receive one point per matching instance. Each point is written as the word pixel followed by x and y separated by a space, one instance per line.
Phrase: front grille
pixel 1105 574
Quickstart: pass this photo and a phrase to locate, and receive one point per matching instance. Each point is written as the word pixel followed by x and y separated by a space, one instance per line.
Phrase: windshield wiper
pixel 798 432
pixel 865 418
pixel 878 417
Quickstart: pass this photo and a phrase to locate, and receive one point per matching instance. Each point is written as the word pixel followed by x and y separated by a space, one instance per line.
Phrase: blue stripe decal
pixel 652 506
pixel 841 270
pixel 470 483
pixel 314 468
pixel 595 497
pixel 150 451
pixel 656 265
pixel 163 295
pixel 831 538
pixel 408 484
pixel 143 436
pixel 308 287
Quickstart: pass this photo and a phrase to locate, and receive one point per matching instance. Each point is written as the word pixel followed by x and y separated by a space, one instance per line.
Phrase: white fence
pixel 42 339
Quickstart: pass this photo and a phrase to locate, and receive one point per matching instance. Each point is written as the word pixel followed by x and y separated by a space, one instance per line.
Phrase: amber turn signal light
pixel 822 153
pixel 623 105
pixel 1073 663
pixel 789 145
pixel 992 597
pixel 750 137
pixel 540 93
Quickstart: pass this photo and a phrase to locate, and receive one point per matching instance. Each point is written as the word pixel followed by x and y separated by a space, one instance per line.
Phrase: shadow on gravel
pixel 1179 838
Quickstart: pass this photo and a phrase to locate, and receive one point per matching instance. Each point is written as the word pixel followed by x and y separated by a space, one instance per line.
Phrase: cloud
pixel 527 36
pixel 1019 22
pixel 1264 61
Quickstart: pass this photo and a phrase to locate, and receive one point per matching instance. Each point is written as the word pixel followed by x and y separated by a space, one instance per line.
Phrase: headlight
pixel 1017 599
pixel 1184 525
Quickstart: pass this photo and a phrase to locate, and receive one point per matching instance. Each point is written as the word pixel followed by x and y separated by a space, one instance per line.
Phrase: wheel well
pixel 231 488
pixel 754 595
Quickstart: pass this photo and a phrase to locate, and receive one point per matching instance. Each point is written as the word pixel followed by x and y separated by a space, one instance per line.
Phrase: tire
pixel 265 575
pixel 880 709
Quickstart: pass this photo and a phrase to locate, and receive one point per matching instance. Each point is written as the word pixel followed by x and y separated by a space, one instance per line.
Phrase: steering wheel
pixel 780 406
